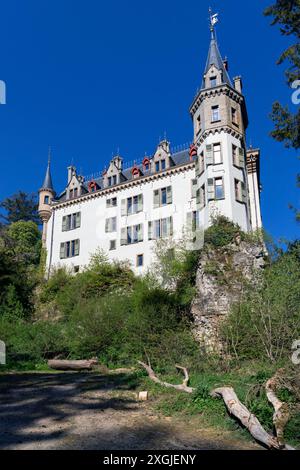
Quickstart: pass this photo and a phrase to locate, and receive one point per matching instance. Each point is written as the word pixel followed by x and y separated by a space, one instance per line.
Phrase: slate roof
pixel 214 58
pixel 47 184
pixel 177 159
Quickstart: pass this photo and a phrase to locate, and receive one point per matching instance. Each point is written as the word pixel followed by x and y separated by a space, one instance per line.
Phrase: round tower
pixel 46 195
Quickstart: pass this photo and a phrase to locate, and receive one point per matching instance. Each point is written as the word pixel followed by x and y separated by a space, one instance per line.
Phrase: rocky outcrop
pixel 221 278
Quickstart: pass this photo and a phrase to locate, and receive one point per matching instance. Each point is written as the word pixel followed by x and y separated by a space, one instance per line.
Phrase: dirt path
pixel 88 411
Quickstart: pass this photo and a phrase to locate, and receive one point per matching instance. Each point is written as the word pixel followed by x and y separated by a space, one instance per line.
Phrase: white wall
pixel 234 210
pixel 94 213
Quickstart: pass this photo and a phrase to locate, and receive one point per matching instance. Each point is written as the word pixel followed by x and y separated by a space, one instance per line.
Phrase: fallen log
pixel 72 365
pixel 182 387
pixel 282 413
pixel 239 411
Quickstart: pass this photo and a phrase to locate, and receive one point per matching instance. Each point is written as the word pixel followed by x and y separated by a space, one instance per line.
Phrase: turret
pixel 46 195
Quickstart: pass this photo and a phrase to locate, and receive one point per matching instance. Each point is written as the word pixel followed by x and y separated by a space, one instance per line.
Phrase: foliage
pixel 20 207
pixel 286 13
pixel 20 247
pixel 267 321
pixel 222 232
pixel 175 268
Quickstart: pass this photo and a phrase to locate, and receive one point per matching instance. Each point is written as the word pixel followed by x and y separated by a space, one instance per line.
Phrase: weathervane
pixel 213 20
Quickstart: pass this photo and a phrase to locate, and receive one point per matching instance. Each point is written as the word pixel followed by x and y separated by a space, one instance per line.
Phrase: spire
pixel 214 56
pixel 48 179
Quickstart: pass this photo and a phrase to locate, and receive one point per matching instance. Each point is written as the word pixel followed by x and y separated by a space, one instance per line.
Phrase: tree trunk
pixel 72 365
pixel 239 411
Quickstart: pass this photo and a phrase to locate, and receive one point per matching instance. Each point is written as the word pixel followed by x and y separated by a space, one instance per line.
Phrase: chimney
pixel 238 85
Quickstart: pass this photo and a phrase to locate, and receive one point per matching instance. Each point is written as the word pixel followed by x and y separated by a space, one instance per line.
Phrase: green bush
pixel 222 232
pixel 267 320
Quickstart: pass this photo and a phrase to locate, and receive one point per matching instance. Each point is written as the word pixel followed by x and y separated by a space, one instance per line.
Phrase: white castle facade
pixel 125 211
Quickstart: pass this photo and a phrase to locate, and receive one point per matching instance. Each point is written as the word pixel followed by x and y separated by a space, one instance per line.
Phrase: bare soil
pixel 93 412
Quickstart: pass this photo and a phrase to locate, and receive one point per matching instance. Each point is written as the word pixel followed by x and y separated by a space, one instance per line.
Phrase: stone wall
pixel 221 278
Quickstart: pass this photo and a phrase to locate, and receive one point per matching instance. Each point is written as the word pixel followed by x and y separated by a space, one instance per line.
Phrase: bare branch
pixel 282 414
pixel 182 388
pixel 237 409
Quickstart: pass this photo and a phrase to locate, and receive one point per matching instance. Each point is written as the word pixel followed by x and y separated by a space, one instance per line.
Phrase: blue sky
pixel 90 77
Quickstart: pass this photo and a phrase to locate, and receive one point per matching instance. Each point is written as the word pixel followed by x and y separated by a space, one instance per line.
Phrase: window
pixel 215 114
pixel 140 261
pixel 198 124
pixel 75 192
pixel 160 165
pixel 219 188
pixel 131 235
pixel 147 166
pixel 238 156
pixel 71 194
pixel 213 81
pixel 160 228
pixel 46 199
pixel 112 245
pixel 109 181
pixel 235 156
pixel 71 222
pixel 217 154
pixel 194 188
pixel 115 179
pixel 162 197
pixel 201 163
pixel 240 191
pixel 111 202
pixel 111 225
pixel 234 116
pixel 193 221
pixel 132 205
pixel 201 197
pixel 69 249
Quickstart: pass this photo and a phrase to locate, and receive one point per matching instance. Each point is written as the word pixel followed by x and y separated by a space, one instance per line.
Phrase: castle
pixel 125 210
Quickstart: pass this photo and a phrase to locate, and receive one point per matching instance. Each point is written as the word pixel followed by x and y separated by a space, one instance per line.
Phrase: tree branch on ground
pixel 182 387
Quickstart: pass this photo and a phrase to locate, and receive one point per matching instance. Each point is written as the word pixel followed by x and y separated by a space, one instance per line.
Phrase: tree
pixel 286 13
pixel 20 206
pixel 20 247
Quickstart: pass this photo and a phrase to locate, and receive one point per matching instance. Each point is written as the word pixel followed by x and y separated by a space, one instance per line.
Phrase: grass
pixel 248 382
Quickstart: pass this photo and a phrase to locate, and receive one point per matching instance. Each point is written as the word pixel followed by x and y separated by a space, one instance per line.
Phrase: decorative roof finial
pixel 49 155
pixel 213 20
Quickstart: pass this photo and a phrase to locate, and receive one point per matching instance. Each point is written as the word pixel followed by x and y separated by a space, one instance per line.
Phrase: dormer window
pixel 71 193
pixel 163 165
pixel 156 166
pixel 109 181
pixel 213 81
pixel 146 164
pixel 136 172
pixel 75 192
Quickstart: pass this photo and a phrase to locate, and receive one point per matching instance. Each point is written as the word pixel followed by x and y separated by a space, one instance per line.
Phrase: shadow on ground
pixel 89 412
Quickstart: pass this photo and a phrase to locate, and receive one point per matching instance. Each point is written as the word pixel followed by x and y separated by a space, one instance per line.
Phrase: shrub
pixel 267 321
pixel 222 232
